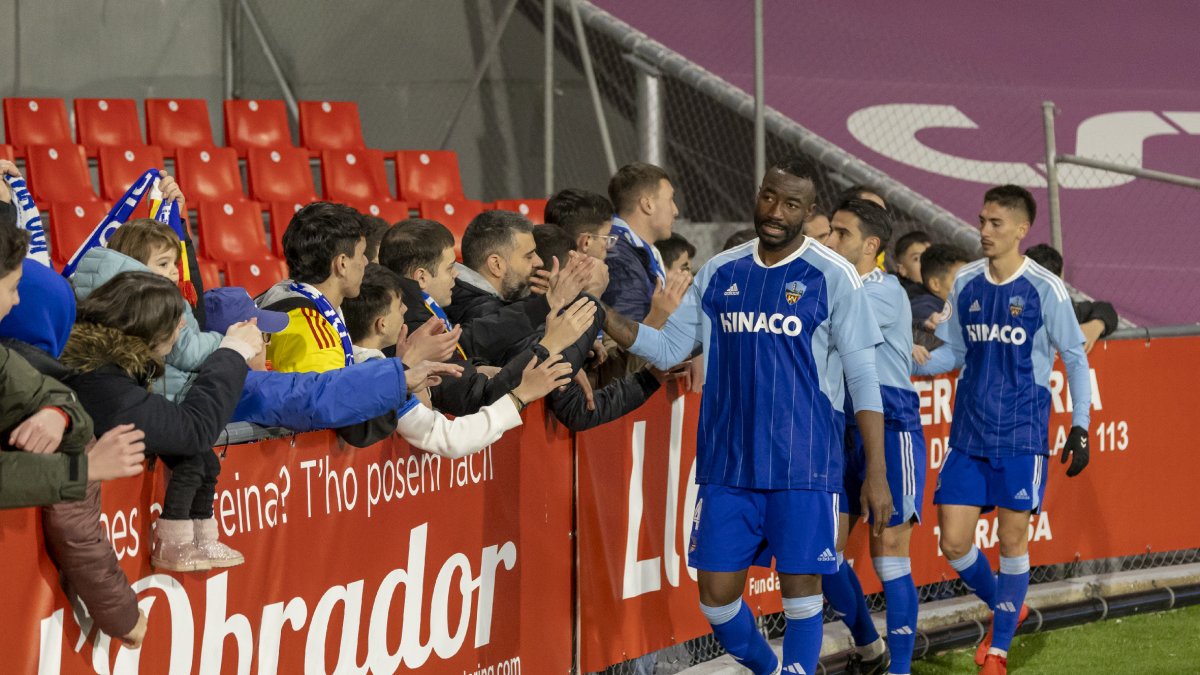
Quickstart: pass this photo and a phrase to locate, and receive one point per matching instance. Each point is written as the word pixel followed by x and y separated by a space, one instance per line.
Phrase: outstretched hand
pixel 428 374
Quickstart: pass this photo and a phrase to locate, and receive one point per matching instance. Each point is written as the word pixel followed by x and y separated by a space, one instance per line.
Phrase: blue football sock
pixel 976 572
pixel 733 625
pixel 1010 595
pixel 802 637
pixel 845 596
pixel 901 595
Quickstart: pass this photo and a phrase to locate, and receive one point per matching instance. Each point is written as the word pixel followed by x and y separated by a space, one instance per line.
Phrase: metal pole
pixel 228 11
pixel 760 106
pixel 489 55
pixel 288 96
pixel 649 112
pixel 590 74
pixel 548 94
pixel 1056 239
pixel 1149 174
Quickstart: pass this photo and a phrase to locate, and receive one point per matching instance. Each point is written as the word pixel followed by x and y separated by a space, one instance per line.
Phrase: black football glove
pixel 1077 450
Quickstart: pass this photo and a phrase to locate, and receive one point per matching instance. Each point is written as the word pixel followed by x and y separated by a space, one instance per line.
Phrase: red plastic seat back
pixel 256 276
pixel 210 273
pixel 70 225
pixel 121 167
pixel 390 210
pixel 354 176
pixel 6 152
pixel 280 175
pixel 533 209
pixel 330 125
pixel 256 124
pixel 36 121
pixel 104 122
pixel 173 123
pixel 58 173
pixel 428 174
pixel 209 174
pixel 454 215
pixel 281 215
pixel 232 230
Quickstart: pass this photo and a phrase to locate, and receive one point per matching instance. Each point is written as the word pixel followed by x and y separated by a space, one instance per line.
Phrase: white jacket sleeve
pixel 434 432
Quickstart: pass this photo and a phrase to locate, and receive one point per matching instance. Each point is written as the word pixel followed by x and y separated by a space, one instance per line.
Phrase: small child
pixel 124 330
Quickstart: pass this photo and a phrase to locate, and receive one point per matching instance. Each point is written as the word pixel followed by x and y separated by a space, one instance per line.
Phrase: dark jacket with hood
pixel 111 373
pixel 500 329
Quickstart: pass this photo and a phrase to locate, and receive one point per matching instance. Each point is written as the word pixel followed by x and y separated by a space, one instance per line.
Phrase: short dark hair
pixel 490 232
pixel 578 211
pixel 856 192
pixel 738 238
pixel 414 244
pixel 380 287
pixel 14 244
pixel 911 239
pixel 674 246
pixel 798 166
pixel 1047 256
pixel 553 242
pixel 873 219
pixel 939 258
pixel 1012 197
pixel 316 235
pixel 376 227
pixel 630 181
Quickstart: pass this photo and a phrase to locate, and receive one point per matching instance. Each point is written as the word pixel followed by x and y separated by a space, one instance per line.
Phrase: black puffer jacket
pixel 111 372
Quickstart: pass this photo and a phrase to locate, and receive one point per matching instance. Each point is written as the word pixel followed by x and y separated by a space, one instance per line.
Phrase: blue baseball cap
pixel 226 306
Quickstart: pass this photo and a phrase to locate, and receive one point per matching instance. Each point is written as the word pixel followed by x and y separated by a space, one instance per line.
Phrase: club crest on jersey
pixel 793 292
pixel 1016 305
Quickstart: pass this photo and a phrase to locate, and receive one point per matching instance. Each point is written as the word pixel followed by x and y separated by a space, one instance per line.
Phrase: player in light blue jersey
pixel 1007 316
pixel 861 229
pixel 785 328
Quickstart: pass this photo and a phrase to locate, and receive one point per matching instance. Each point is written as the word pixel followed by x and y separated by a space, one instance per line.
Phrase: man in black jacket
pixel 1096 318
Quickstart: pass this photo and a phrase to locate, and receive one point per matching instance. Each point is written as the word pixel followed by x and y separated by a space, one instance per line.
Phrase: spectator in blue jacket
pixel 645 203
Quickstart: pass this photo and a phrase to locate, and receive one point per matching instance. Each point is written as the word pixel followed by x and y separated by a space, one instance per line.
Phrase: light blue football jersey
pixel 893 357
pixel 771 413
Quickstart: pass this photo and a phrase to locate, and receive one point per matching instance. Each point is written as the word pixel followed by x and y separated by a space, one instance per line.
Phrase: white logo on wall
pixel 891 130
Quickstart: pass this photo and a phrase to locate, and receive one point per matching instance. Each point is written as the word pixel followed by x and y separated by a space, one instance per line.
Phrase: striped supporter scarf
pixel 168 214
pixel 29 219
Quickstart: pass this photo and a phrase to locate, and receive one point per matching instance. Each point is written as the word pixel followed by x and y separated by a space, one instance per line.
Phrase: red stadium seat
pixel 428 174
pixel 354 176
pixel 210 274
pixel 36 121
pixel 210 174
pixel 120 167
pixel 256 124
pixel 330 125
pixel 533 209
pixel 173 123
pixel 454 215
pixel 59 174
pixel 70 225
pixel 280 175
pixel 281 215
pixel 232 230
pixel 390 210
pixel 255 277
pixel 6 152
pixel 104 122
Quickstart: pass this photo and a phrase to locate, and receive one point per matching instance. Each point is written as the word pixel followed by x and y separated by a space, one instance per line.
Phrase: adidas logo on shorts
pixel 732 290
pixel 1023 494
pixel 826 556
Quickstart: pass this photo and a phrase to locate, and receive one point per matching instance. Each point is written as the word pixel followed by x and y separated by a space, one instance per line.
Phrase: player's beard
pixel 514 287
pixel 787 238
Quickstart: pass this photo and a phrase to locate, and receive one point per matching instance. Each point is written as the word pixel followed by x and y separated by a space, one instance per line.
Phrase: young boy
pixel 908 260
pixel 677 253
pixel 939 263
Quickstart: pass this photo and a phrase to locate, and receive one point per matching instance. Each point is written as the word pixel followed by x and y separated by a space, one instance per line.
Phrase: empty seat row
pixel 60 173
pixel 179 123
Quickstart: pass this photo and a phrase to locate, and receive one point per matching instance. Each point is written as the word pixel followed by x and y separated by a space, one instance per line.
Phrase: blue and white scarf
pixel 168 214
pixel 622 230
pixel 440 313
pixel 331 315
pixel 29 219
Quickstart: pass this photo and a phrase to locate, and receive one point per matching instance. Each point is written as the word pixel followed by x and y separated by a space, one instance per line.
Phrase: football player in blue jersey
pixel 861 229
pixel 1007 317
pixel 785 328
